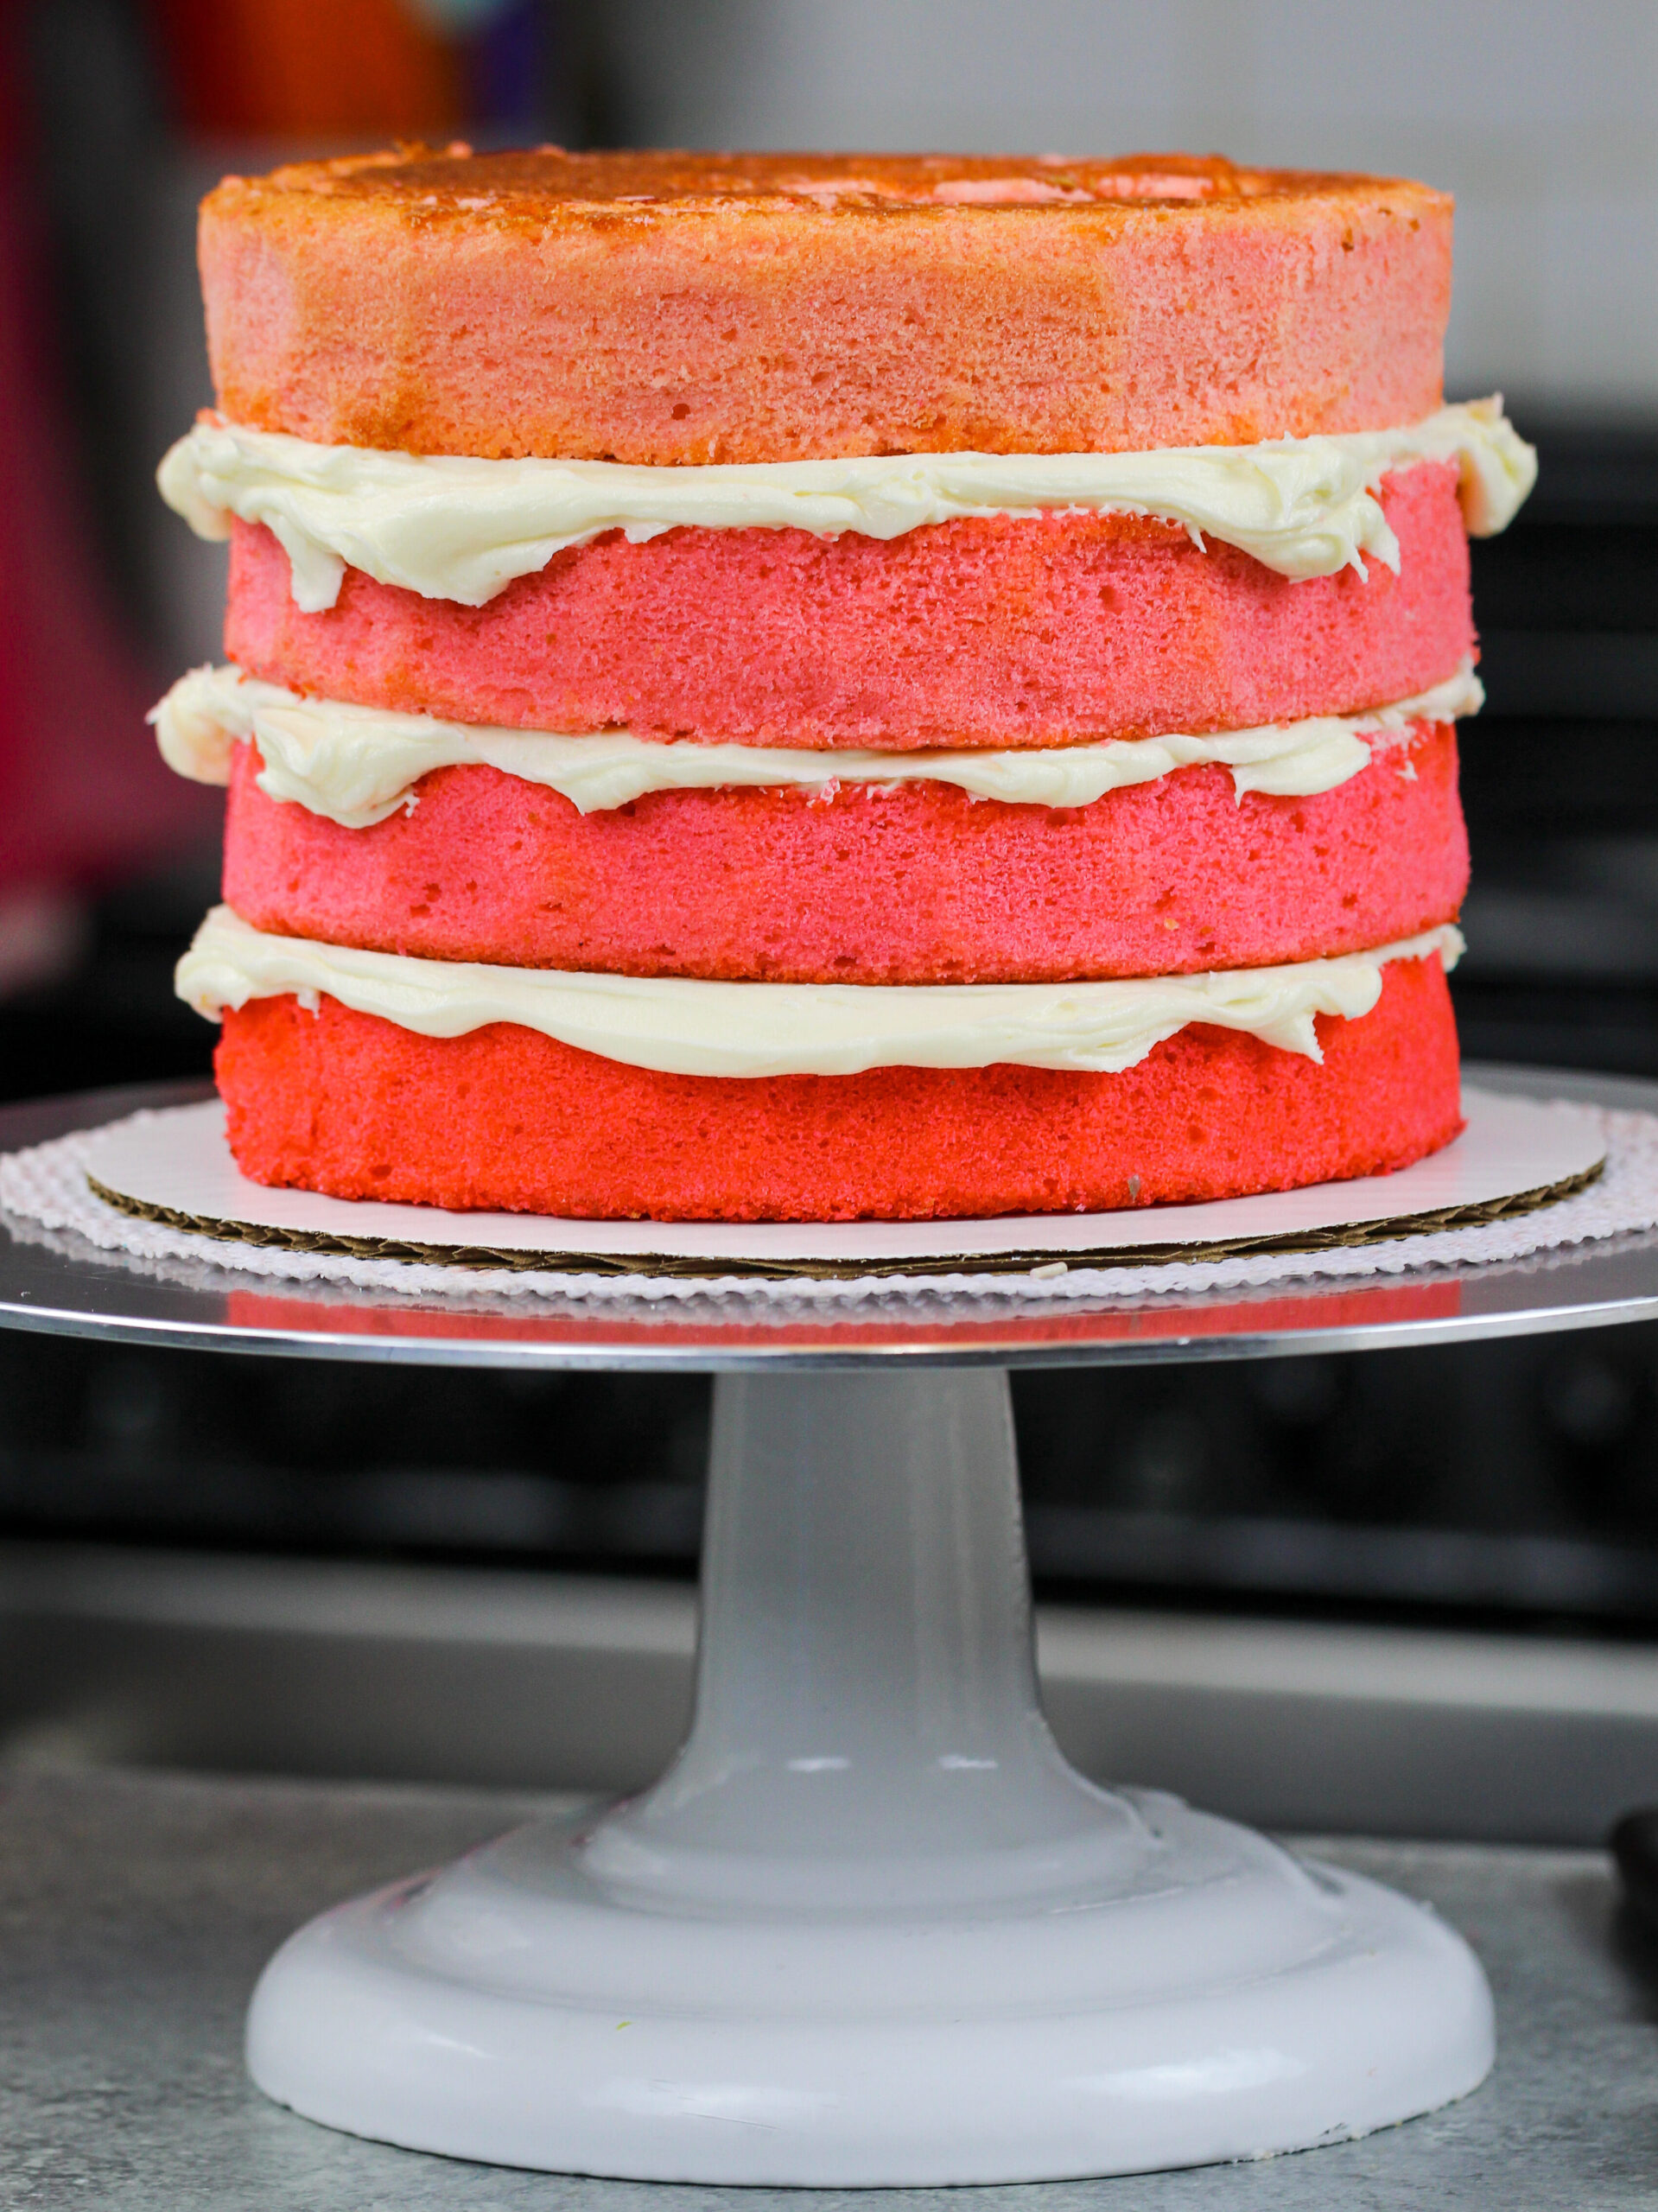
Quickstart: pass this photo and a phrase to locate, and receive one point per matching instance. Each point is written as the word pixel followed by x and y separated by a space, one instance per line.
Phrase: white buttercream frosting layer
pixel 683 1028
pixel 455 528
pixel 359 764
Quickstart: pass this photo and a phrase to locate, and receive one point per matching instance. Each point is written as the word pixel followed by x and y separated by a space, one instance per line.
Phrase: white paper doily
pixel 47 1184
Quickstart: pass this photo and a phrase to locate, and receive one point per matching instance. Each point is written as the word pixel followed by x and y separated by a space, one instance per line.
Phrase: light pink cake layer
pixel 999 632
pixel 667 307
pixel 918 884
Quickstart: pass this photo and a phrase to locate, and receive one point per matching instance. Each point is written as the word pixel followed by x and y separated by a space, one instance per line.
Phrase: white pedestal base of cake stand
pixel 870 1929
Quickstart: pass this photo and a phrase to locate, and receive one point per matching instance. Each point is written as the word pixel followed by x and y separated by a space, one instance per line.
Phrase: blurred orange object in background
pixel 340 69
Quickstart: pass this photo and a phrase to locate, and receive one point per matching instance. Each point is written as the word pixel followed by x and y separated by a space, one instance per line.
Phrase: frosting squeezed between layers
pixel 359 764
pixel 742 1030
pixel 455 528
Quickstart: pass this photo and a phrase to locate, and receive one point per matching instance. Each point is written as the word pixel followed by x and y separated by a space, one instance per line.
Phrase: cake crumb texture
pixel 678 308
pixel 990 632
pixel 913 883
pixel 505 1119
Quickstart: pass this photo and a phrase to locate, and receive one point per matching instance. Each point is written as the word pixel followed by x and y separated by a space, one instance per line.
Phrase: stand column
pixel 865 1691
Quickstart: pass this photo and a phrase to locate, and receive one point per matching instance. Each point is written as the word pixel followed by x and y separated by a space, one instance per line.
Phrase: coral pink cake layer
pixel 997 632
pixel 915 883
pixel 504 1118
pixel 665 307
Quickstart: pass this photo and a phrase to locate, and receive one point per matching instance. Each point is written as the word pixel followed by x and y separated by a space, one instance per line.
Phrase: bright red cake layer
pixel 505 1119
pixel 916 884
pixel 1035 631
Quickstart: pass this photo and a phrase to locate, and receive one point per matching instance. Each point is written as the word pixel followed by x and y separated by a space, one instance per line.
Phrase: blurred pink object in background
pixel 83 795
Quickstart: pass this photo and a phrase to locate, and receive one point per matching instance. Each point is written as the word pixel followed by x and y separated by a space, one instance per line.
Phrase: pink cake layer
pixel 916 883
pixel 1034 630
pixel 504 1118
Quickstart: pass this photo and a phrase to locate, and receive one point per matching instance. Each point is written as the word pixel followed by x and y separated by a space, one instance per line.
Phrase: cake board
pixel 869 1929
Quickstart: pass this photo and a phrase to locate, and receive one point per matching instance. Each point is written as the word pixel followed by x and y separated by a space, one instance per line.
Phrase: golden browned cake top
pixel 671 308
pixel 540 185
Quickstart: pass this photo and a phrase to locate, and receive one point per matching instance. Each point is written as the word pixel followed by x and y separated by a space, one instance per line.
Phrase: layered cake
pixel 832 687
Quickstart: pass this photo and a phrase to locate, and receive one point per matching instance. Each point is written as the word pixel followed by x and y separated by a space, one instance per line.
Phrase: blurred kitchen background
pixel 1511 1489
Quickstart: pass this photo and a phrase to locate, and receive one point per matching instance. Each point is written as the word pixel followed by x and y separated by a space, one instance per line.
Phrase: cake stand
pixel 869 1929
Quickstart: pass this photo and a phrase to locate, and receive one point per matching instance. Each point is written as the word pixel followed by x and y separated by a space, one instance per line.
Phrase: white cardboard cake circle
pixel 177 1162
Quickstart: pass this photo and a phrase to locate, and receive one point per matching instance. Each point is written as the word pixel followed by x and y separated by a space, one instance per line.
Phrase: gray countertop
pixel 135 1911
